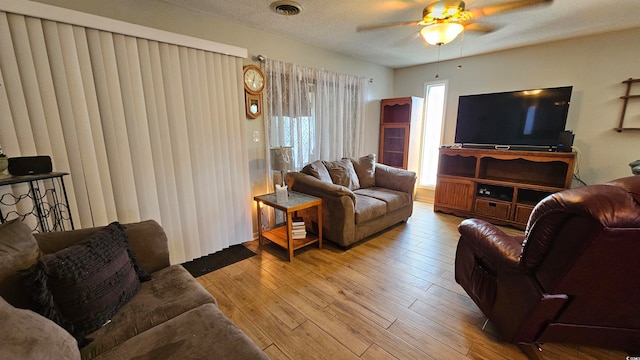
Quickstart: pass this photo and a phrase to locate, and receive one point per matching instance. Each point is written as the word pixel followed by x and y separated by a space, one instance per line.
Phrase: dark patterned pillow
pixel 82 286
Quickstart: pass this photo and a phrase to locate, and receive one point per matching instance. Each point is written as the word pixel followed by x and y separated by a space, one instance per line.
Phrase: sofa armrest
pixel 396 179
pixel 338 207
pixel 146 238
pixel 491 245
pixel 149 243
pixel 310 185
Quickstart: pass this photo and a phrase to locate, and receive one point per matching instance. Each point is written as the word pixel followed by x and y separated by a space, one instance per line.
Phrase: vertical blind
pixel 146 129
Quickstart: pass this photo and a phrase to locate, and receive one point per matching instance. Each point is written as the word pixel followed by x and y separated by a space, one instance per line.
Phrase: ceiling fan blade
pixel 477 27
pixel 506 7
pixel 408 40
pixel 385 26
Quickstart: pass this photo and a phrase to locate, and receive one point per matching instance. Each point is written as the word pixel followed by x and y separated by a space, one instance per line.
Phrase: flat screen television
pixel 524 119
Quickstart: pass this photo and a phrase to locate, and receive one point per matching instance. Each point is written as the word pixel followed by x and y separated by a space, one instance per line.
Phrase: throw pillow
pixel 365 168
pixel 27 335
pixel 343 173
pixel 317 170
pixel 82 286
pixel 18 251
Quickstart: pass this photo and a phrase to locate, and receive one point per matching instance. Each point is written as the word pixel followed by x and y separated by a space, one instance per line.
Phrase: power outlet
pixel 256 136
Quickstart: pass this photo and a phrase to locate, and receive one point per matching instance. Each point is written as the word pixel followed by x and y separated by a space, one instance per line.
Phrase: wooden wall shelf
pixel 501 186
pixel 626 98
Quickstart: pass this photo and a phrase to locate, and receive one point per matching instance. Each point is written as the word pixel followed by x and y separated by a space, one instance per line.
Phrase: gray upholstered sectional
pixel 360 197
pixel 170 317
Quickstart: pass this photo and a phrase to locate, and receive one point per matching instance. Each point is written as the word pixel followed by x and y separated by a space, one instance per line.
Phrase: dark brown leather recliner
pixel 574 277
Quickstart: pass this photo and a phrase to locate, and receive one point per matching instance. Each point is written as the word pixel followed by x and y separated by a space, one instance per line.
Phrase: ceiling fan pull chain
pixel 438 62
pixel 460 56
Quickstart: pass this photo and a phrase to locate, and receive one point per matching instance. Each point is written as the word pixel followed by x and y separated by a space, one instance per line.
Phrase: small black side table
pixel 48 203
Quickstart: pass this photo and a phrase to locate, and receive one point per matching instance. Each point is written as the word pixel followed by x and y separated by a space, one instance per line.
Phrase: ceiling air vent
pixel 286 7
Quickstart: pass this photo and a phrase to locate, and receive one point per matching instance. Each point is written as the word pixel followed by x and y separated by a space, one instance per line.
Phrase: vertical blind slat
pixel 139 138
pixel 101 131
pixel 63 97
pixel 15 89
pixel 90 135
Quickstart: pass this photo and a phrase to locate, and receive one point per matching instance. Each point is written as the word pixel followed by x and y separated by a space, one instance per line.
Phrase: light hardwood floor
pixel 391 297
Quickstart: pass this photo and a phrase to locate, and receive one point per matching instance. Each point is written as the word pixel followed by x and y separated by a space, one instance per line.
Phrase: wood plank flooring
pixel 391 297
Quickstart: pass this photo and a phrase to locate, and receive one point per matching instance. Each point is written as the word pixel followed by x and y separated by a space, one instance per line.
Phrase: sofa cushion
pixel 29 336
pixel 189 337
pixel 365 168
pixel 343 173
pixel 18 251
pixel 317 170
pixel 81 287
pixel 368 208
pixel 393 198
pixel 171 292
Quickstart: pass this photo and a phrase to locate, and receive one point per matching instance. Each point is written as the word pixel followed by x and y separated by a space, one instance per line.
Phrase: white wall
pixel 594 65
pixel 161 15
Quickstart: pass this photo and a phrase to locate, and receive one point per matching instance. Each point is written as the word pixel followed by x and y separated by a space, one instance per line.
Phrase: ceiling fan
pixel 444 20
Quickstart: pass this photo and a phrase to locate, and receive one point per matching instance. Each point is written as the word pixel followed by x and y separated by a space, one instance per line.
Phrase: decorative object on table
pixel 635 167
pixel 298 229
pixel 282 194
pixel 253 86
pixel 30 165
pixel 281 161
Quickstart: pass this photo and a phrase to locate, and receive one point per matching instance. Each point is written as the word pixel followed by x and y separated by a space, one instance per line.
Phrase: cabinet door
pixel 454 193
pixel 394 143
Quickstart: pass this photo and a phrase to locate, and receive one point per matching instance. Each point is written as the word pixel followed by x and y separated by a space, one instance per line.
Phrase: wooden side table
pixel 282 235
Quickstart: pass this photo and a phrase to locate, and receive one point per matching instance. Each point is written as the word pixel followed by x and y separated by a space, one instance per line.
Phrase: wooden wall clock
pixel 254 82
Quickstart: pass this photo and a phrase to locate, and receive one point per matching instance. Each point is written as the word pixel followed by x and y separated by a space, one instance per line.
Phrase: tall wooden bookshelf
pixel 400 132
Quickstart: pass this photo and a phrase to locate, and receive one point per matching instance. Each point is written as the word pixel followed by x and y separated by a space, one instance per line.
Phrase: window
pixel 435 95
pixel 319 114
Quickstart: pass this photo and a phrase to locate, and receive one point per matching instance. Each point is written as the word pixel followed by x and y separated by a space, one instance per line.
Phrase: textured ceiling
pixel 331 24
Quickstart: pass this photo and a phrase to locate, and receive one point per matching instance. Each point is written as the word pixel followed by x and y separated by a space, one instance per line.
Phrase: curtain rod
pixel 262 58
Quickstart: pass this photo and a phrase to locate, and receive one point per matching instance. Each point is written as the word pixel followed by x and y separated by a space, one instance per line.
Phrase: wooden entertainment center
pixel 500 186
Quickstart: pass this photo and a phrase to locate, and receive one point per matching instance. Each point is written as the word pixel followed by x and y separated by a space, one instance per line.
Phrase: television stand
pixel 500 186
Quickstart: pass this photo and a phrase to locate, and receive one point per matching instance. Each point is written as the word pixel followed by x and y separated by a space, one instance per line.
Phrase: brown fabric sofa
pixel 170 317
pixel 360 197
pixel 573 277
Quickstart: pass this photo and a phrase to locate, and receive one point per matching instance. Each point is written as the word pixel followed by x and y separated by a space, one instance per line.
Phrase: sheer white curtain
pixel 146 129
pixel 320 114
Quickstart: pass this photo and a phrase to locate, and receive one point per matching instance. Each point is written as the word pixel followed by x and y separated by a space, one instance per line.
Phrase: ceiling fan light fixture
pixel 441 33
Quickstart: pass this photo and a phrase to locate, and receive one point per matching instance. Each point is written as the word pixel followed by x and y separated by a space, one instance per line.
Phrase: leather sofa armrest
pixel 310 185
pixel 490 244
pixel 394 178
